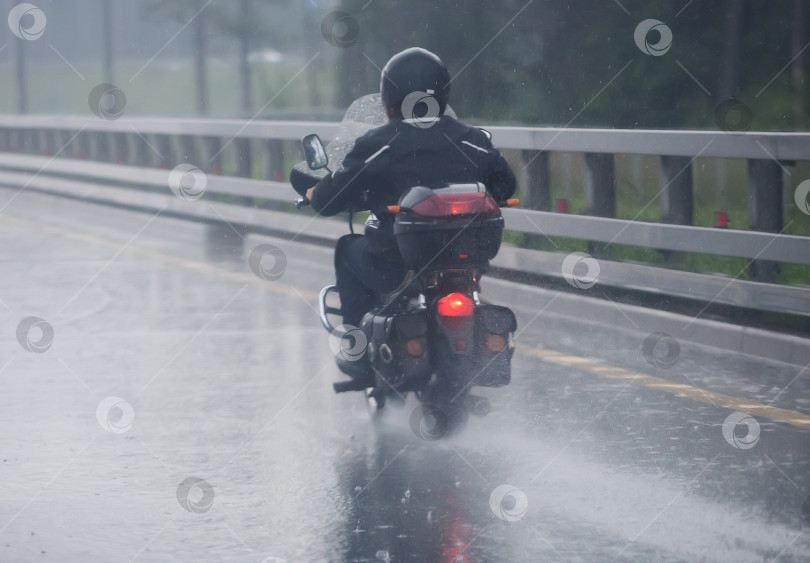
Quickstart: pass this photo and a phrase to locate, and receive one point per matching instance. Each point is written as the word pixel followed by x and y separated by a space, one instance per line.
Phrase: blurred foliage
pixel 545 62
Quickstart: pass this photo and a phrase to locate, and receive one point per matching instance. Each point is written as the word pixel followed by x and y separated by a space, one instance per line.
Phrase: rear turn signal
pixel 496 343
pixel 512 202
pixel 394 209
pixel 456 305
pixel 414 348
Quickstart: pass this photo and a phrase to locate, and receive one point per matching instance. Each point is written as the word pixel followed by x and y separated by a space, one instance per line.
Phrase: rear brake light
pixel 456 205
pixel 455 305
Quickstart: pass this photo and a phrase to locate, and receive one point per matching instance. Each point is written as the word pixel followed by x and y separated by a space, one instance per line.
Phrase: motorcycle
pixel 434 335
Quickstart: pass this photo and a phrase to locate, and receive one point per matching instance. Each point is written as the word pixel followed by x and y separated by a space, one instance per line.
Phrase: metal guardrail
pixel 708 144
pixel 235 147
pixel 744 244
pixel 87 182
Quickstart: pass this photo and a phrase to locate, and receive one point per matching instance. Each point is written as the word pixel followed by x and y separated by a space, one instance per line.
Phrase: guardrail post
pixel 164 147
pixel 44 139
pixel 189 149
pixel 677 200
pixel 142 152
pixel 600 191
pixel 244 164
pixel 536 179
pixel 274 170
pixel 213 149
pixel 62 138
pixel 764 209
pixel 31 141
pixel 15 140
pixel 99 147
pixel 120 148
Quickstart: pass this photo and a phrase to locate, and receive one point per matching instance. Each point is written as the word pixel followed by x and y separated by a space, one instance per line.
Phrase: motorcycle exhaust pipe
pixel 346 386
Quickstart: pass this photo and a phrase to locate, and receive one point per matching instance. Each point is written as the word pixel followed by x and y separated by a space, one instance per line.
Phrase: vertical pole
pixel 677 203
pixel 214 155
pixel 536 179
pixel 109 42
pixel 600 191
pixel 200 60
pixel 245 13
pixel 164 146
pixel 244 166
pixel 22 76
pixel 189 149
pixel 764 210
pixel 142 152
pixel 275 160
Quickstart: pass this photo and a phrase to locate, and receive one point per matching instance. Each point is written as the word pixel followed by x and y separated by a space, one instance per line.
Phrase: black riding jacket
pixel 387 161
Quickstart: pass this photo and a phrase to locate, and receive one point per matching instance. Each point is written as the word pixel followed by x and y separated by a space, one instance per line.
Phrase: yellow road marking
pixel 716 399
pixel 583 364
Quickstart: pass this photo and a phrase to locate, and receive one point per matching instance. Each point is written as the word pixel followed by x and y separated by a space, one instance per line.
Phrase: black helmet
pixel 412 71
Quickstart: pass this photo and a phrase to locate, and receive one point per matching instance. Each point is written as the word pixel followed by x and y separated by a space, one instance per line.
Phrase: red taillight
pixel 456 205
pixel 456 305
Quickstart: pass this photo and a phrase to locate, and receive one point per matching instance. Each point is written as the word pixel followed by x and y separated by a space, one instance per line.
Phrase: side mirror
pixel 487 133
pixel 315 152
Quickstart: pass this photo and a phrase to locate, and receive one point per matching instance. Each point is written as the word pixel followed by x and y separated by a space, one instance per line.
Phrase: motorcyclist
pixel 420 146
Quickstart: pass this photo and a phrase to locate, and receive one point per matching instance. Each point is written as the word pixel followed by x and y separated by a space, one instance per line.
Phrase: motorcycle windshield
pixel 363 114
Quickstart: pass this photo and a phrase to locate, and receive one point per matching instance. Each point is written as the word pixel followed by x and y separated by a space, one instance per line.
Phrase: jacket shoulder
pixel 468 132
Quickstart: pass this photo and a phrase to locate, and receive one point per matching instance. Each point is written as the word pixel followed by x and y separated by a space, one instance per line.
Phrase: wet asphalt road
pixel 184 413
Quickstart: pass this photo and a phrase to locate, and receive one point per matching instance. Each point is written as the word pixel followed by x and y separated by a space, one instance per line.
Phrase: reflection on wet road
pixel 181 410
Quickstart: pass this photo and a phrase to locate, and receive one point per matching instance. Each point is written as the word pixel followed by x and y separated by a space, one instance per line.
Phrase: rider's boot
pixel 359 370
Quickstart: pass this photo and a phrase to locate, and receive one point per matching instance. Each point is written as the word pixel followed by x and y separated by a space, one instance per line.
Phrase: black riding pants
pixel 361 276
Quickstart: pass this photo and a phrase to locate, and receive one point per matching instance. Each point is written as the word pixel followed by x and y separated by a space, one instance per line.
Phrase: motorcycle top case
pixel 452 228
